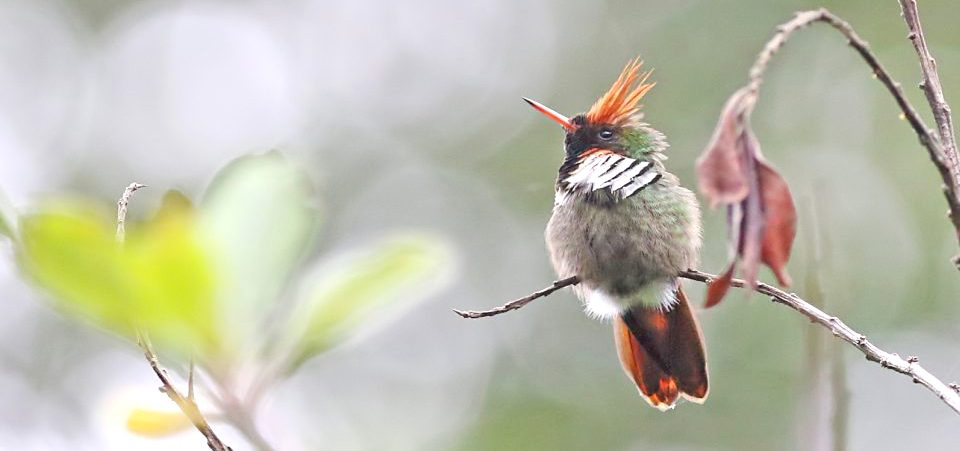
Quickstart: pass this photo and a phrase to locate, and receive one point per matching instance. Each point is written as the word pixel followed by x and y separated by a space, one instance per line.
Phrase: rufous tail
pixel 662 351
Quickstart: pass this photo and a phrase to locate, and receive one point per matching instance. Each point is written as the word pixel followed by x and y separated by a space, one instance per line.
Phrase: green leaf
pixel 160 281
pixel 74 256
pixel 355 291
pixel 257 221
pixel 174 279
pixel 8 217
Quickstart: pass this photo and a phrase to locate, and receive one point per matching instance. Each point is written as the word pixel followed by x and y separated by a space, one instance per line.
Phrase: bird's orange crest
pixel 619 104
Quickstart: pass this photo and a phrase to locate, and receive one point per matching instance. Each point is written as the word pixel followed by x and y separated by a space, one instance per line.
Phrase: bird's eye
pixel 605 135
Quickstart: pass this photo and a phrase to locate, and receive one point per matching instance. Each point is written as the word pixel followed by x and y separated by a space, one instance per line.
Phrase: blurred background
pixel 407 116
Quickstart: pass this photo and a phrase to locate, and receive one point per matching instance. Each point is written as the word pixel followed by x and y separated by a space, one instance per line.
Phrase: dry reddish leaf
pixel 719 169
pixel 751 215
pixel 781 222
pixel 760 210
pixel 718 287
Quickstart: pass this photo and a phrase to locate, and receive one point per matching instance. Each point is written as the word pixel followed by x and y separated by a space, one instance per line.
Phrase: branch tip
pixel 516 304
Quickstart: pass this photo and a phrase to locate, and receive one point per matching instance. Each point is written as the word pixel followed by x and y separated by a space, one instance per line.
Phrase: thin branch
pixel 894 362
pixel 909 367
pixel 941 150
pixel 931 79
pixel 930 84
pixel 513 305
pixel 186 404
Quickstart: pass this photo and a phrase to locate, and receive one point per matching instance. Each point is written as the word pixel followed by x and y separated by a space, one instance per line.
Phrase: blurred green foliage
pixel 159 281
pixel 348 294
pixel 257 218
pixel 204 281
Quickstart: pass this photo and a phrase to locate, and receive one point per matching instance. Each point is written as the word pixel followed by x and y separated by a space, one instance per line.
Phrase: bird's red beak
pixel 555 116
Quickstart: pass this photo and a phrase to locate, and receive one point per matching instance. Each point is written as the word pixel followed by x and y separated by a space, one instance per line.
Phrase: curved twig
pixel 941 149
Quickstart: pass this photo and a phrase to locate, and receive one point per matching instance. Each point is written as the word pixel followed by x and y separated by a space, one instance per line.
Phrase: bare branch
pixel 942 150
pixel 186 404
pixel 930 84
pixel 931 79
pixel 891 361
pixel 909 367
pixel 513 305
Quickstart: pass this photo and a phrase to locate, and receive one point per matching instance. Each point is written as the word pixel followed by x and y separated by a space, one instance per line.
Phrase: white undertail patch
pixel 601 305
pixel 661 294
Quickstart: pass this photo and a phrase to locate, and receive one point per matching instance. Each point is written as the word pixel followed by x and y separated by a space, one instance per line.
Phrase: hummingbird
pixel 625 227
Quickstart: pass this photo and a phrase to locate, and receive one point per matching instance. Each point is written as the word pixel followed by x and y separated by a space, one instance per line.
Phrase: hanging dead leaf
pixel 719 170
pixel 760 212
pixel 718 287
pixel 781 222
